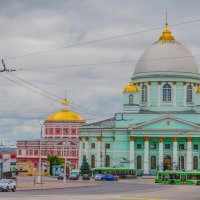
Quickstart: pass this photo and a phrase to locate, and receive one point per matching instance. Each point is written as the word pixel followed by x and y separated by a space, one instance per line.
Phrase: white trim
pixel 184 95
pixel 132 154
pixel 189 156
pixel 148 95
pixel 175 158
pixel 174 96
pixel 159 93
pixel 86 150
pixel 146 157
pixel 161 155
pixel 99 154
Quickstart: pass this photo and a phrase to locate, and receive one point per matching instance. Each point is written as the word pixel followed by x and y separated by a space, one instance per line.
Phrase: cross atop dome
pixel 166 36
pixel 65 101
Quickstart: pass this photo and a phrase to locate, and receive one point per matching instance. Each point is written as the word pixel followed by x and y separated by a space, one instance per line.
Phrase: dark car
pixel 108 177
pixel 61 177
pixel 86 177
pixel 73 177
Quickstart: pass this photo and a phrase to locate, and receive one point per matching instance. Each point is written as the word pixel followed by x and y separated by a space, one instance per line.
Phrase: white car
pixel 7 184
pixel 97 177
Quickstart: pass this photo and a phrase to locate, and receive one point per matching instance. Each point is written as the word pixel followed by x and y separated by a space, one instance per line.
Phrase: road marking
pixel 136 198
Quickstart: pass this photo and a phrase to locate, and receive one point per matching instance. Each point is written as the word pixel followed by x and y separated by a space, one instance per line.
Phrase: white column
pixel 184 93
pixel 132 152
pixel 194 95
pixel 174 96
pixel 159 93
pixel 99 151
pixel 161 153
pixel 148 94
pixel 79 153
pixel 175 149
pixel 189 154
pixel 86 148
pixel 146 155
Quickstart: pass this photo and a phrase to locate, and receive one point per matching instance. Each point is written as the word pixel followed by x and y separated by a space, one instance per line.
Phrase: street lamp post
pixel 65 155
pixel 40 147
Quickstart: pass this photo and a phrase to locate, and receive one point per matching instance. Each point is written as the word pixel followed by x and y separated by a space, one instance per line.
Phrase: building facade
pixel 60 138
pixel 159 126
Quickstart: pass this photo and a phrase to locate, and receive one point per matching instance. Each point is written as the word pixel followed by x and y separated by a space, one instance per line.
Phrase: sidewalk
pixel 27 183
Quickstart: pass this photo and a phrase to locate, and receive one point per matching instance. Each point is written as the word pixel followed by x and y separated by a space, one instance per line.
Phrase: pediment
pixel 166 123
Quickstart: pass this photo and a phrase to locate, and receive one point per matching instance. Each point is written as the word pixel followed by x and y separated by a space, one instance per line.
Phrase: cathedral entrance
pixel 167 163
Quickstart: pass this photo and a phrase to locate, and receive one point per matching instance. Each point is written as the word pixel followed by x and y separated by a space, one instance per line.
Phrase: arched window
pixel 131 99
pixel 189 94
pixel 167 93
pixel 144 94
pixel 195 163
pixel 107 161
pixel 153 162
pixel 92 161
pixel 181 163
pixel 139 162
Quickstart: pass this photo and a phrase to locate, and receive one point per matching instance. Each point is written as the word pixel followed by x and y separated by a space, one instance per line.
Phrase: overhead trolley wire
pixel 109 63
pixel 98 40
pixel 82 109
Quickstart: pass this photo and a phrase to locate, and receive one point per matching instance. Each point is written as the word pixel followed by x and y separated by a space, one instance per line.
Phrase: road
pixel 141 189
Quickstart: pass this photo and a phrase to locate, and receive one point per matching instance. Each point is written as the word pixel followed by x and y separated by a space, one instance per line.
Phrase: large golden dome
pixel 65 115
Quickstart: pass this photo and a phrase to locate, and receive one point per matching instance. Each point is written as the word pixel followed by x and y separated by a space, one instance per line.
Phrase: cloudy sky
pixel 29 26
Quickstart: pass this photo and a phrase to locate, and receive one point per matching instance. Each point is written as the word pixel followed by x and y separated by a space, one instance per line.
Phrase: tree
pixel 85 169
pixel 54 160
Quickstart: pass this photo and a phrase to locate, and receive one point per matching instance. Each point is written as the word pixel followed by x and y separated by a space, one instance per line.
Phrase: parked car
pixel 61 176
pixel 108 177
pixel 86 177
pixel 7 184
pixel 73 177
pixel 116 176
pixel 97 177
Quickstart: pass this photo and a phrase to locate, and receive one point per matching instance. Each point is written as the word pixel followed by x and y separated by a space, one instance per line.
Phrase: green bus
pixel 119 172
pixel 178 177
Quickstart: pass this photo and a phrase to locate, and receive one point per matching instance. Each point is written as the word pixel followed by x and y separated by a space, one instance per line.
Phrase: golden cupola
pixel 130 88
pixel 166 36
pixel 65 114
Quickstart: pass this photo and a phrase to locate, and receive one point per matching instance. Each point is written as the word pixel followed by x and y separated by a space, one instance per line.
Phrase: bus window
pixel 174 176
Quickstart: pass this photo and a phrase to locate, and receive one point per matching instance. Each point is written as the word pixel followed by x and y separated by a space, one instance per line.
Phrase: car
pixel 86 177
pixel 61 177
pixel 108 177
pixel 7 184
pixel 73 177
pixel 97 177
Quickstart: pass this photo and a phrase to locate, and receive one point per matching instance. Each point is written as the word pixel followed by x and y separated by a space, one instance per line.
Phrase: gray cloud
pixel 30 26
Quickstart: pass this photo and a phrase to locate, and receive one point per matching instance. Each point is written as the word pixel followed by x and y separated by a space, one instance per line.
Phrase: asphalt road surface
pixel 122 190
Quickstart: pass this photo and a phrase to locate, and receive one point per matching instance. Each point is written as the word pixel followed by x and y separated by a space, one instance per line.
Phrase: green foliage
pixel 54 160
pixel 85 169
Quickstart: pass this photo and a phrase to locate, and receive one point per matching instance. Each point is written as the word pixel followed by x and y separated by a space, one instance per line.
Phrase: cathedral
pixel 159 126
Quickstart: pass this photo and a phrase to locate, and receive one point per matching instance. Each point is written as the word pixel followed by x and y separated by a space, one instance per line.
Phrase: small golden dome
pixel 130 88
pixel 65 115
pixel 198 90
pixel 166 36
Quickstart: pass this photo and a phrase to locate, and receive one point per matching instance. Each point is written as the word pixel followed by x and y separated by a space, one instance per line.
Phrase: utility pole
pixel 64 178
pixel 40 148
